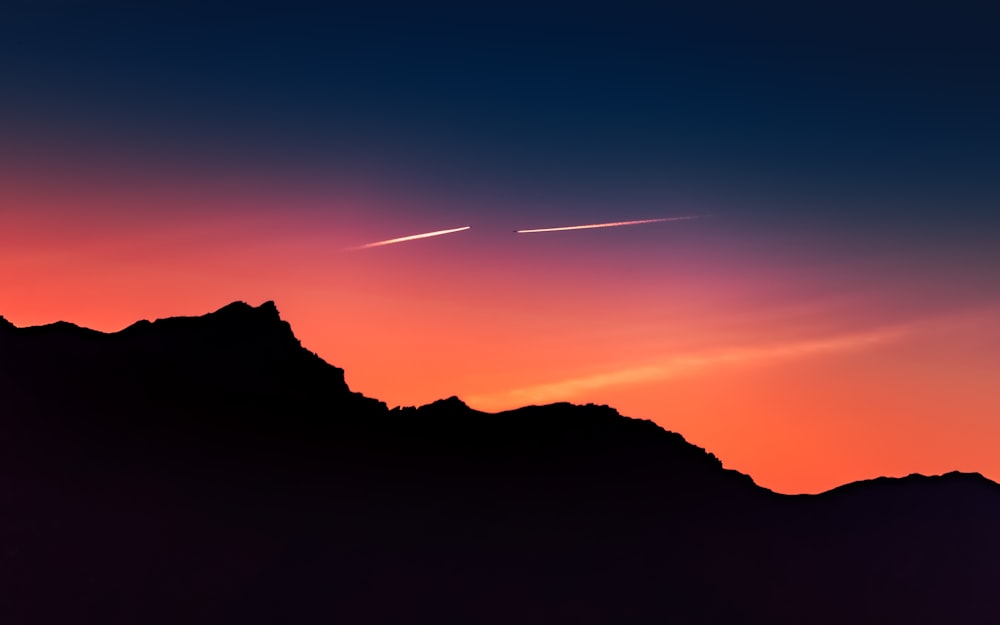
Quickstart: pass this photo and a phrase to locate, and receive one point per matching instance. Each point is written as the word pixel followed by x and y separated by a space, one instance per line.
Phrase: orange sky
pixel 805 375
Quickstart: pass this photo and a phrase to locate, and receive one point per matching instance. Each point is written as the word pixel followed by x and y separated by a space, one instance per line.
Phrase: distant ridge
pixel 212 470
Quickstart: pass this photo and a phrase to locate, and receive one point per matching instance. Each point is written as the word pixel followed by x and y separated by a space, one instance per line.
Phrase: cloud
pixel 679 364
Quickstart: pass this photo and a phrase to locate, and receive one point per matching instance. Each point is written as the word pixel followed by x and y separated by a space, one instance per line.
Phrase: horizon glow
pixel 804 368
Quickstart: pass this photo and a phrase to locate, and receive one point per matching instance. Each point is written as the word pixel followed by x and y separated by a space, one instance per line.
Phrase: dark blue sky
pixel 887 102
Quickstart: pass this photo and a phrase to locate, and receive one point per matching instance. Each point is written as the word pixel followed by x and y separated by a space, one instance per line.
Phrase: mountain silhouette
pixel 212 470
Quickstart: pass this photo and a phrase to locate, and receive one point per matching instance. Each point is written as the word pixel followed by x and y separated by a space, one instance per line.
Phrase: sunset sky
pixel 832 315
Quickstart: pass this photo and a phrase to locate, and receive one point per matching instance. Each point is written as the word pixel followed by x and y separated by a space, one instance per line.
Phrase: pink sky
pixel 805 369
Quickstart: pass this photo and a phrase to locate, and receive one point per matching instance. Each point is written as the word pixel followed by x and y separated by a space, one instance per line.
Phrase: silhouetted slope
pixel 239 358
pixel 211 470
pixel 214 381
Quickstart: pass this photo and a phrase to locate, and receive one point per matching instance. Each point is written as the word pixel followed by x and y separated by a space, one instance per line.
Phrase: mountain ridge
pixel 213 470
pixel 240 319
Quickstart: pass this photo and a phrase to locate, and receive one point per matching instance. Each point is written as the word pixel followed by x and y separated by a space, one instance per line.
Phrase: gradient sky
pixel 836 317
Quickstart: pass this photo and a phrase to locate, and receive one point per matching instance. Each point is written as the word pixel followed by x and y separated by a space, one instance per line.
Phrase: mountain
pixel 212 470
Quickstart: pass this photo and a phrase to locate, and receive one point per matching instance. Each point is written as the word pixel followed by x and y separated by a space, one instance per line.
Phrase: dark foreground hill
pixel 211 470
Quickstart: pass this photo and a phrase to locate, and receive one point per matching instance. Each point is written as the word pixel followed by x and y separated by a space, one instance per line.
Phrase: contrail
pixel 412 237
pixel 612 224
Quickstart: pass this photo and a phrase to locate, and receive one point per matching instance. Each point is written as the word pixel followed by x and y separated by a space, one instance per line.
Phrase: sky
pixel 832 314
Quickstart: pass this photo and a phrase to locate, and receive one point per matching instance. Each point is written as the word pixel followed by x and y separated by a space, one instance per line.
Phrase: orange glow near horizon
pixel 805 377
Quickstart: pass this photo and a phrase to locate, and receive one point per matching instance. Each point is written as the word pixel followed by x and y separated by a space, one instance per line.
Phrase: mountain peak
pixel 241 308
pixel 240 313
pixel 237 320
pixel 238 363
pixel 452 403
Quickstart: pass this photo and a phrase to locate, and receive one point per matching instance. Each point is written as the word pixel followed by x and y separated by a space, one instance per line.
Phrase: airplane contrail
pixel 612 224
pixel 412 237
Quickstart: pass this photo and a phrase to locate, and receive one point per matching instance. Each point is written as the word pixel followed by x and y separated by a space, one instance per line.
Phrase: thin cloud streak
pixel 612 224
pixel 567 390
pixel 412 237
